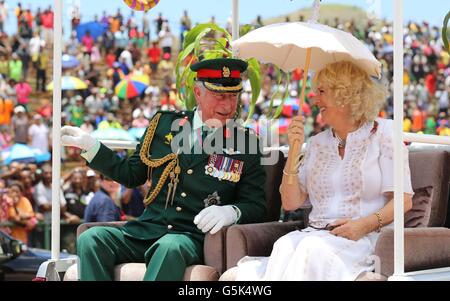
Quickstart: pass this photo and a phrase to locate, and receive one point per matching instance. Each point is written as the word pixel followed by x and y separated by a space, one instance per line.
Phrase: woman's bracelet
pixel 380 221
pixel 290 173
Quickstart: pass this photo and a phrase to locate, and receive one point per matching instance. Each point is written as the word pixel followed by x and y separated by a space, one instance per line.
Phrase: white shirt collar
pixel 198 122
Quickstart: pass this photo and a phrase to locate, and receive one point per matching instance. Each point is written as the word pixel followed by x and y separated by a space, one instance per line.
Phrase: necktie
pixel 201 134
pixel 205 132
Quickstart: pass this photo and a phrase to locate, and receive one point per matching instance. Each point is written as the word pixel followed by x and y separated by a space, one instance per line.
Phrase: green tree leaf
pixel 285 96
pixel 255 78
pixel 445 36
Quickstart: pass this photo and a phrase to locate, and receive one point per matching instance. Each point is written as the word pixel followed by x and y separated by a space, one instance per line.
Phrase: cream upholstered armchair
pixel 427 244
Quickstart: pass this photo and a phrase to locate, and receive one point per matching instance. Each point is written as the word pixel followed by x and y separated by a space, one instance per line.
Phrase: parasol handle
pixel 296 146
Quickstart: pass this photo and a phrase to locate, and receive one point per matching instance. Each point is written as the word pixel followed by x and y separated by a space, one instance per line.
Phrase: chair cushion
pixel 136 272
pixel 71 274
pixel 200 273
pixel 430 168
pixel 419 215
pixel 129 272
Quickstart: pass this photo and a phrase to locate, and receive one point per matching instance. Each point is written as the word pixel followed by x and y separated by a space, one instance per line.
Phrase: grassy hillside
pixel 328 13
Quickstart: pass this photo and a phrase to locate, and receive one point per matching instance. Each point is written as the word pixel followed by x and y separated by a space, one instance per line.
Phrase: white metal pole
pixel 399 248
pixel 235 20
pixel 56 151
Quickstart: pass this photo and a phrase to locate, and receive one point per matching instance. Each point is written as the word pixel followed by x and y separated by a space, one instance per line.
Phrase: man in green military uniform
pixel 193 191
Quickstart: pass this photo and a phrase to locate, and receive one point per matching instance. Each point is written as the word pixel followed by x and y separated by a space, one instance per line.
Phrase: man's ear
pixel 197 92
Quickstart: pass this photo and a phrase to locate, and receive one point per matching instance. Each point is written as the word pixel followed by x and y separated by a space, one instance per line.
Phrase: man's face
pixel 77 180
pixel 47 174
pixel 214 105
pixel 110 186
pixel 25 177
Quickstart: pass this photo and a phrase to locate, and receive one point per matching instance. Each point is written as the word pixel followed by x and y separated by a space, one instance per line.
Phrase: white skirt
pixel 311 255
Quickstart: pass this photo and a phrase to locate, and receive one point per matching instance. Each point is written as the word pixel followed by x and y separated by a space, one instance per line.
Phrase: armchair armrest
pixel 214 250
pixel 425 248
pixel 83 227
pixel 255 239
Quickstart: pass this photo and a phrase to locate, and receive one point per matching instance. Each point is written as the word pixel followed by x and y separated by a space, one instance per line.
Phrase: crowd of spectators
pixel 144 47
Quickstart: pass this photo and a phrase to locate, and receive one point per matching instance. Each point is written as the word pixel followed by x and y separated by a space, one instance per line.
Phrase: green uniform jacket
pixel 248 194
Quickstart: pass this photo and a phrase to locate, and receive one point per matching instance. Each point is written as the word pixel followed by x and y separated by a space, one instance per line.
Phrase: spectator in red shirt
pixel 88 42
pixel 110 58
pixel 430 82
pixel 154 55
pixel 47 24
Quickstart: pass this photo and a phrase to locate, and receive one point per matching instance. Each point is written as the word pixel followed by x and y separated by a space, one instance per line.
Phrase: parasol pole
pixel 297 147
pixel 56 147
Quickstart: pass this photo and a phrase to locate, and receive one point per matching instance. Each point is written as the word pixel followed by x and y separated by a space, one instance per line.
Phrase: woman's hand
pixel 350 229
pixel 296 132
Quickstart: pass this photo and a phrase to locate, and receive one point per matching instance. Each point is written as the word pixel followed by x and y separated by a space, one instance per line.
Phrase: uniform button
pixel 178 209
pixel 189 171
pixel 169 227
pixel 183 194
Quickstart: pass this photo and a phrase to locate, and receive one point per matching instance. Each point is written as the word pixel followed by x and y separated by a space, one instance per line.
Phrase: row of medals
pixel 211 170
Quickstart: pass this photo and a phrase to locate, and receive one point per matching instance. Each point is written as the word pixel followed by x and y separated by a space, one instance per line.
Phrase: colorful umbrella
pixel 113 134
pixel 137 132
pixel 141 5
pixel 290 107
pixel 131 86
pixel 282 125
pixel 23 153
pixel 69 83
pixel 69 61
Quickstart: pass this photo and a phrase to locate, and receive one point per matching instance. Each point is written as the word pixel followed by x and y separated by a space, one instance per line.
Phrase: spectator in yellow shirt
pixel 407 124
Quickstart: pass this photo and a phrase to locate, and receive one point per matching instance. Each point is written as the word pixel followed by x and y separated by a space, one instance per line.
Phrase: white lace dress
pixel 351 187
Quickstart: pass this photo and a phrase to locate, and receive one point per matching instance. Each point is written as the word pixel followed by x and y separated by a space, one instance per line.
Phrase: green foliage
pixel 254 75
pixel 246 29
pixel 445 35
pixel 209 41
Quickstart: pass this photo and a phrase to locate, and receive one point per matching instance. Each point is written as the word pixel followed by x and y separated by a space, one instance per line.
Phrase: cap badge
pixel 226 72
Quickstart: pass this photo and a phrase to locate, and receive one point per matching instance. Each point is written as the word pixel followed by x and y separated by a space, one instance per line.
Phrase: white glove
pixel 74 136
pixel 215 217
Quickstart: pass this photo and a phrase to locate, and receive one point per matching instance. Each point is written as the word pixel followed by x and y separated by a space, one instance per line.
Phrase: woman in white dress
pixel 347 174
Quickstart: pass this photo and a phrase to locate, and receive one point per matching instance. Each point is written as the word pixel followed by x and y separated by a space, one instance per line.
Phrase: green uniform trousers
pixel 100 249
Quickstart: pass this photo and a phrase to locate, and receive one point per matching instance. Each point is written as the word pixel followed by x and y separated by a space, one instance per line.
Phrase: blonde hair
pixel 352 86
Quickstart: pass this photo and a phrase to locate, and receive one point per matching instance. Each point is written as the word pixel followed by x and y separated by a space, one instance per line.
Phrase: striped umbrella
pixel 141 5
pixel 131 86
pixel 69 61
pixel 69 83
